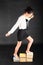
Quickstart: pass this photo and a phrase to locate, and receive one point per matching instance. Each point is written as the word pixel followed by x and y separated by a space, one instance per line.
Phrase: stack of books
pixel 26 57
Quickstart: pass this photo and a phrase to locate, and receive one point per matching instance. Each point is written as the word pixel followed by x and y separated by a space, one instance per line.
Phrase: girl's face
pixel 31 15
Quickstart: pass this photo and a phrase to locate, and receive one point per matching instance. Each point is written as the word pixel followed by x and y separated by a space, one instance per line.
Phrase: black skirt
pixel 22 34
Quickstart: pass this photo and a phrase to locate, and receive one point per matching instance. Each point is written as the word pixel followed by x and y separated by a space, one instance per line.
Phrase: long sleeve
pixel 21 23
pixel 14 27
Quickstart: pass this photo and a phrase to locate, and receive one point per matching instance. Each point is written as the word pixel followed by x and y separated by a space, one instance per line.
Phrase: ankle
pixel 14 54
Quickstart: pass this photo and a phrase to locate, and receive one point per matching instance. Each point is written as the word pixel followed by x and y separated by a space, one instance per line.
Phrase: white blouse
pixel 21 23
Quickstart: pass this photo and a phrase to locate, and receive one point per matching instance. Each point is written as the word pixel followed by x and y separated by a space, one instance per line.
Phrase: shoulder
pixel 21 17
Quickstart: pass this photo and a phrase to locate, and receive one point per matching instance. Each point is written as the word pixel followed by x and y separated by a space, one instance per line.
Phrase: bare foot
pixel 28 51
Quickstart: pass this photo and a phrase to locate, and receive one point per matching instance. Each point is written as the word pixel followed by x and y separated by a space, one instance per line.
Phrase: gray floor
pixel 6 54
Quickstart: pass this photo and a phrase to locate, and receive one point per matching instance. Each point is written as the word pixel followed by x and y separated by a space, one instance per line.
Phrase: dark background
pixel 10 10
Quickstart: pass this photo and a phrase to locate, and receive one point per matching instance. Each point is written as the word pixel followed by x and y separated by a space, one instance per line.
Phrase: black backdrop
pixel 10 10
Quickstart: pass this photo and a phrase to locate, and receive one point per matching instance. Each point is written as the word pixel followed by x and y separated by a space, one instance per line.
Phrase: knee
pixel 30 39
pixel 19 43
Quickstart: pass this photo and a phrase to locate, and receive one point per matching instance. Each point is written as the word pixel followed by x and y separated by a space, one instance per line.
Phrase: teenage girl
pixel 22 32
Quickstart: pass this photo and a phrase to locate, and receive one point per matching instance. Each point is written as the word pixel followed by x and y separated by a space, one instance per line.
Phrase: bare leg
pixel 30 41
pixel 17 48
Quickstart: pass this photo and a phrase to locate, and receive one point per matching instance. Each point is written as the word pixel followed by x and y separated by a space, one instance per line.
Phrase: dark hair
pixel 28 10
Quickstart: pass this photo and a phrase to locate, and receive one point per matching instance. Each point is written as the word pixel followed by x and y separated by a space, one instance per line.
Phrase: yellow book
pixel 22 55
pixel 22 59
pixel 29 60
